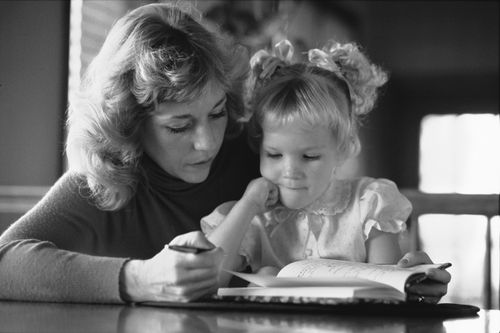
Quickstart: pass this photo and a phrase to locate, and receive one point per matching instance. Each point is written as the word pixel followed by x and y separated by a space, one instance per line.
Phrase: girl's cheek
pixel 270 171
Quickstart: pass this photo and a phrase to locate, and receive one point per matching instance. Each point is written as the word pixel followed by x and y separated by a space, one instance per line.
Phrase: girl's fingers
pixel 414 258
pixel 439 275
pixel 428 288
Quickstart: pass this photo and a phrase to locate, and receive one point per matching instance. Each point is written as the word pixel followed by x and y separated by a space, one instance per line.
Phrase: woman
pixel 153 145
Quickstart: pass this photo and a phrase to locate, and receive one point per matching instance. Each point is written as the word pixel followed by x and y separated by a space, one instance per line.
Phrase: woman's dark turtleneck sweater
pixel 66 233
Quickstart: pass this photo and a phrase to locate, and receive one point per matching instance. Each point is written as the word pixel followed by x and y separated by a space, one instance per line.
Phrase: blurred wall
pixel 33 89
pixel 443 58
pixel 33 79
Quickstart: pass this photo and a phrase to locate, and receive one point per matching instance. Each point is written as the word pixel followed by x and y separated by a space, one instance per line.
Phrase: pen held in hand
pixel 187 249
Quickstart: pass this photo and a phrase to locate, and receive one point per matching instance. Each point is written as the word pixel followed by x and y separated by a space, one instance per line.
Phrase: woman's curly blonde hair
pixel 154 54
pixel 312 90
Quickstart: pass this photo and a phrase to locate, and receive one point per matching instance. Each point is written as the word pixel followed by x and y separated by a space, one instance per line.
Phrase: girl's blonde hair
pixel 313 90
pixel 154 54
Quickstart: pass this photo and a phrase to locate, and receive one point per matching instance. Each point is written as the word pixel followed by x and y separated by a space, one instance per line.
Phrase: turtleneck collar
pixel 160 180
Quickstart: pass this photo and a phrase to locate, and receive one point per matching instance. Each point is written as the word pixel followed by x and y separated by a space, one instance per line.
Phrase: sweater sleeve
pixel 48 254
pixel 34 270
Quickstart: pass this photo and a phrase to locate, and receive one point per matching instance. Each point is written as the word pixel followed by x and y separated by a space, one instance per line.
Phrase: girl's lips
pixel 294 187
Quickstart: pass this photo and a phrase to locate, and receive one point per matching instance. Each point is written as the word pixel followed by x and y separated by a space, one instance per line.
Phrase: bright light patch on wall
pixel 460 153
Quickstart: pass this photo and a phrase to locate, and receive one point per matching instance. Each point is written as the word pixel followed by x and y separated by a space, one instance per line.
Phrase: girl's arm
pixel 260 193
pixel 382 247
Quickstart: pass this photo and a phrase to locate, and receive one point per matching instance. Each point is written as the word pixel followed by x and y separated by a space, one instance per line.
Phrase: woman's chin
pixel 195 177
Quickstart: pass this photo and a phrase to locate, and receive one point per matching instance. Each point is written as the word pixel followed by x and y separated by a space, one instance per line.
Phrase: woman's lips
pixel 201 163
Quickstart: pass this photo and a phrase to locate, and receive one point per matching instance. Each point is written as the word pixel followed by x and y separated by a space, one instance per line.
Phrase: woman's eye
pixel 177 130
pixel 312 157
pixel 220 114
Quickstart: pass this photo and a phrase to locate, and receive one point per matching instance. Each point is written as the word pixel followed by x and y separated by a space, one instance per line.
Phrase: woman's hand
pixel 431 289
pixel 173 276
pixel 261 193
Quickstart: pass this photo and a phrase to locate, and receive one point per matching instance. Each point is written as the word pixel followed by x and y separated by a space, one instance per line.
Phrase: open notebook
pixel 327 280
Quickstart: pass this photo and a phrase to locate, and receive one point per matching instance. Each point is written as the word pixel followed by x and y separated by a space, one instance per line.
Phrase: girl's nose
pixel 291 168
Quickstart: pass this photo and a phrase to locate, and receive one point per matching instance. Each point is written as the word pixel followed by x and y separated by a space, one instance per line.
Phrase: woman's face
pixel 300 159
pixel 184 138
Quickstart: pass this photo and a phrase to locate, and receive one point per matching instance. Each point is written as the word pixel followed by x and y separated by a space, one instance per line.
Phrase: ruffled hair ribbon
pixel 282 53
pixel 324 59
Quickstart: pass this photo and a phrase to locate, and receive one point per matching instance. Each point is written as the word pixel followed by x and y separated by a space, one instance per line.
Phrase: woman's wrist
pixel 130 284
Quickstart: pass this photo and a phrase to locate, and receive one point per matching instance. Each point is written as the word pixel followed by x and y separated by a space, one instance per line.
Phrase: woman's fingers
pixel 188 292
pixel 194 239
pixel 209 259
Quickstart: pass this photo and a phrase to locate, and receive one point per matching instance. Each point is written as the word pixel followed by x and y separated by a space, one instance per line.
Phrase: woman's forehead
pixel 210 97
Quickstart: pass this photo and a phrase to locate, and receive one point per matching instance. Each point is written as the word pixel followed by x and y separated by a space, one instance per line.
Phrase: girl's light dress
pixel 334 226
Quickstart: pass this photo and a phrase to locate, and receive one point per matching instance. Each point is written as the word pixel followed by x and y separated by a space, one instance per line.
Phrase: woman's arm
pixel 40 257
pixel 33 270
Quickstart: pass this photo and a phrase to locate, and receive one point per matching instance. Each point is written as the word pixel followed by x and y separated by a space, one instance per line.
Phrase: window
pixel 460 154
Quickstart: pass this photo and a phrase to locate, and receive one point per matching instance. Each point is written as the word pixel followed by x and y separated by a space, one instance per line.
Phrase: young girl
pixel 305 120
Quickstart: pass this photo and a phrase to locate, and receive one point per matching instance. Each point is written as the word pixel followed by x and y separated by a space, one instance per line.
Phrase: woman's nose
pixel 205 138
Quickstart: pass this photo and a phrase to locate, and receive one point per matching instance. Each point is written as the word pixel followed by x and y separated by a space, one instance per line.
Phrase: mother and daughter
pixel 155 143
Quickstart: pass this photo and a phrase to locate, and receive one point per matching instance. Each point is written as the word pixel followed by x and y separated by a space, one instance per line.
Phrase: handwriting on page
pixel 353 270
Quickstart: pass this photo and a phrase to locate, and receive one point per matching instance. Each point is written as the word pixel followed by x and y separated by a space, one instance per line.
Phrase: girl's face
pixel 184 138
pixel 300 159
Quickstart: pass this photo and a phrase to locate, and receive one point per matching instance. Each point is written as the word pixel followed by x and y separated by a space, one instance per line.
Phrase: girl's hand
pixel 430 290
pixel 171 275
pixel 261 193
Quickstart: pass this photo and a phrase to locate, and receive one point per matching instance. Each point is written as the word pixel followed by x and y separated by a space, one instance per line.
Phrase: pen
pixel 187 249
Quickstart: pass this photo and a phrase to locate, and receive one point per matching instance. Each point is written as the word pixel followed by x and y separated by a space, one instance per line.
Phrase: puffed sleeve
pixel 212 221
pixel 383 207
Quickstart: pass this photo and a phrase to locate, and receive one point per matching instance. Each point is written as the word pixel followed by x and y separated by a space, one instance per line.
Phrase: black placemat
pixel 333 306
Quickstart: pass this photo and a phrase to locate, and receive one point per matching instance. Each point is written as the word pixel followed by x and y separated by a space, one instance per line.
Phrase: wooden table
pixel 67 318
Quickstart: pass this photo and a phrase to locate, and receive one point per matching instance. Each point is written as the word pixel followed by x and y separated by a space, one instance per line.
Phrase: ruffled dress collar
pixel 335 200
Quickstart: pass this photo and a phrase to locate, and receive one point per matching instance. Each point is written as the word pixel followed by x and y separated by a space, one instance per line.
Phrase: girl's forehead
pixel 273 123
pixel 298 134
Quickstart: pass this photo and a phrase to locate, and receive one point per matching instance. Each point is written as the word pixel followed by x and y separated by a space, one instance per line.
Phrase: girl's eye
pixel 312 157
pixel 218 115
pixel 272 155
